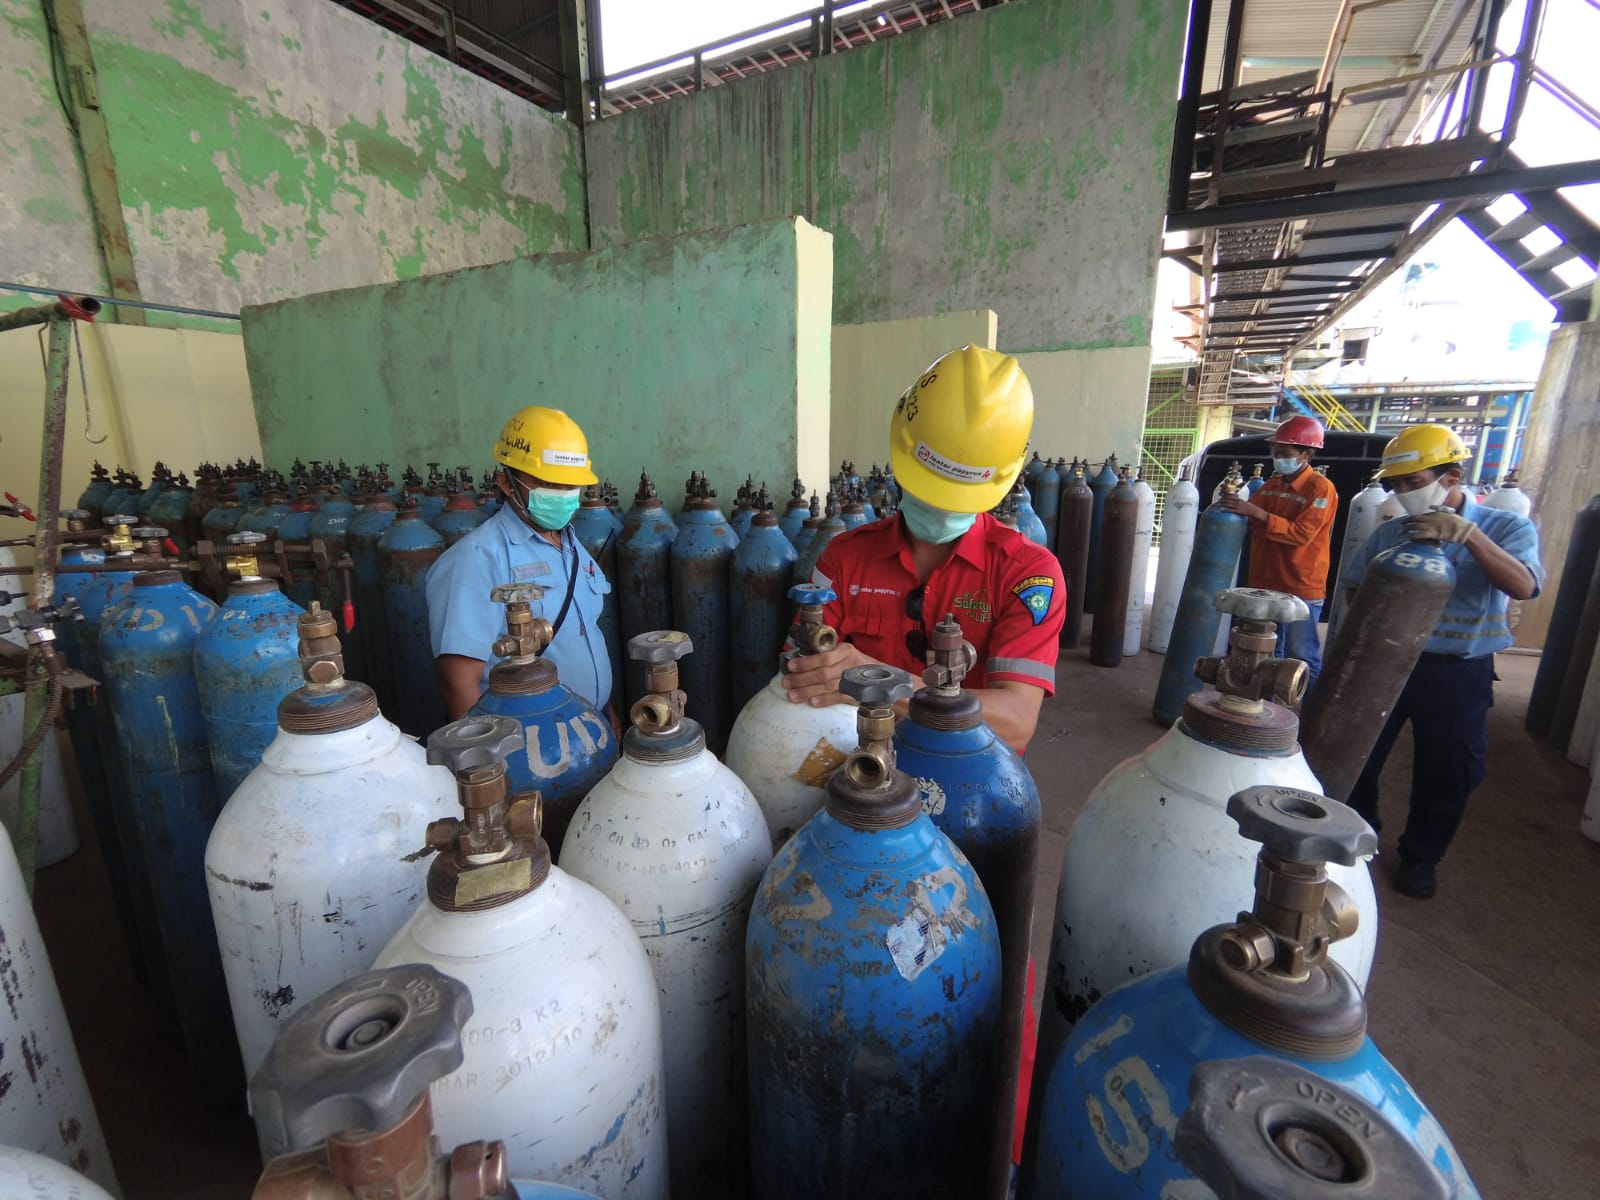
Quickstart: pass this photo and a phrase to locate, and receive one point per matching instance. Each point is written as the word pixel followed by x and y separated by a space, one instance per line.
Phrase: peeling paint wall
pixel 1013 160
pixel 705 352
pixel 271 148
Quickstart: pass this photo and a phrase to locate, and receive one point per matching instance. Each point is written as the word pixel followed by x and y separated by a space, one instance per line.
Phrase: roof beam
pixel 1303 260
pixel 1302 294
pixel 1426 191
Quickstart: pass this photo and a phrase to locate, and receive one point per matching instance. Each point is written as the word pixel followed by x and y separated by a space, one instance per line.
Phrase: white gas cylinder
pixel 1144 525
pixel 46 1109
pixel 1153 860
pixel 563 1053
pixel 785 753
pixel 1511 498
pixel 58 832
pixel 312 865
pixel 1178 517
pixel 28 1176
pixel 680 845
pixel 1359 523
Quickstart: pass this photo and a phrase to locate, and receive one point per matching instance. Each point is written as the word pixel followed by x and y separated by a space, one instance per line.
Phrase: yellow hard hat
pixel 547 444
pixel 959 433
pixel 1419 447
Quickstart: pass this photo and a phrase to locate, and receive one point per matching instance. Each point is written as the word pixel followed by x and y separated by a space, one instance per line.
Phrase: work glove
pixel 1438 525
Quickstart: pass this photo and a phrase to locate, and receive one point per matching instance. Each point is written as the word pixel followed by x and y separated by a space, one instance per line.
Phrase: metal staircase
pixel 1579 241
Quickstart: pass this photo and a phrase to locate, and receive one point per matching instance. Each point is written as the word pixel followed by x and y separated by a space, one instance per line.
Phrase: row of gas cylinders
pixel 673 991
pixel 724 581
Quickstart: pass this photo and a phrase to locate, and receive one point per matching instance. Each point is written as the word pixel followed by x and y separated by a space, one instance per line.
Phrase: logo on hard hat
pixel 565 458
pixel 950 469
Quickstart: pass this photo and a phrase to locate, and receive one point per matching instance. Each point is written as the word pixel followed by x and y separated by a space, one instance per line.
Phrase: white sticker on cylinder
pixel 933 797
pixel 915 942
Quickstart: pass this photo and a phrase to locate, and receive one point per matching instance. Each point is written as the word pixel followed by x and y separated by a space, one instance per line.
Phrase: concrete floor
pixel 1484 997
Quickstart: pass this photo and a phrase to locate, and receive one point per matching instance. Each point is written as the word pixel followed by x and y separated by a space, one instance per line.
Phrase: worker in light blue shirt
pixel 543 463
pixel 1448 696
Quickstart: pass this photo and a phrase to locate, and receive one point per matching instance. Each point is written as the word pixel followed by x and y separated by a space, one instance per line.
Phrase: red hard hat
pixel 1299 431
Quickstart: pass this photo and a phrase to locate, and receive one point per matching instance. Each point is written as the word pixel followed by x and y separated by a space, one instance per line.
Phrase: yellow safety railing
pixel 1325 404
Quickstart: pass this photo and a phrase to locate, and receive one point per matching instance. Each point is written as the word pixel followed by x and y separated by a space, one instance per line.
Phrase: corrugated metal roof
pixel 1299 30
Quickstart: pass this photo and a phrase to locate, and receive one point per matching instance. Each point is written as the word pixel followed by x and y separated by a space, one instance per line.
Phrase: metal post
pixel 1194 65
pixel 42 661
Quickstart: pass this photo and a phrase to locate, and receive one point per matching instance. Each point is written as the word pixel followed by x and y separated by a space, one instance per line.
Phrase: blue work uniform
pixel 463 620
pixel 1451 689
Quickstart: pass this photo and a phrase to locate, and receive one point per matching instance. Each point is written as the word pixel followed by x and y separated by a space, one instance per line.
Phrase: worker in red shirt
pixel 1291 533
pixel 956 442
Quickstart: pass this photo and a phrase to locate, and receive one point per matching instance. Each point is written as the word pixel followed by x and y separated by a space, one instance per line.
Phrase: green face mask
pixel 933 525
pixel 551 508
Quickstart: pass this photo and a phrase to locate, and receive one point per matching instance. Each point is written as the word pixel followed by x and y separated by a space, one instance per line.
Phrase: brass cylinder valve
pixel 953 657
pixel 341 1101
pixel 526 635
pixel 810 633
pixel 1298 912
pixel 118 537
pixel 661 710
pixel 1249 674
pixel 876 690
pixel 241 561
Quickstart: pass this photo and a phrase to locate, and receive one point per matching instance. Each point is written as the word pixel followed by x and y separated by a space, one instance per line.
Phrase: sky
pixel 640 31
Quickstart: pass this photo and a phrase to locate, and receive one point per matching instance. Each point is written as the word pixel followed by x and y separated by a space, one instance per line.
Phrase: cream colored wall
pixel 1089 403
pixel 873 364
pixel 177 395
pixel 813 358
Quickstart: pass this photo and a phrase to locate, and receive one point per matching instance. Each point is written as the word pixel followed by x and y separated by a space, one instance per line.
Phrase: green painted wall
pixel 271 148
pixel 707 352
pixel 1013 160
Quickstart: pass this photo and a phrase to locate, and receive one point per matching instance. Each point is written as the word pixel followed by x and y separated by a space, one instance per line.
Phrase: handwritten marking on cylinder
pixel 1129 1077
pixel 818 766
pixel 816 907
pixel 138 615
pixel 1121 1027
pixel 933 797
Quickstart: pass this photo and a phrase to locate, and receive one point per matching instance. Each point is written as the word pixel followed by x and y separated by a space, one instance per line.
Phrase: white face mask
pixel 1420 500
pixel 1286 466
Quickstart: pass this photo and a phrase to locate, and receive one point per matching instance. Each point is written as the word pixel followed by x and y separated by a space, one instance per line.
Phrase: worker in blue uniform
pixel 543 463
pixel 1448 696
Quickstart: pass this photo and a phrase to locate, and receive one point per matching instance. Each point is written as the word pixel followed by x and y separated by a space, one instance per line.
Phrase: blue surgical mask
pixel 552 508
pixel 1286 466
pixel 933 525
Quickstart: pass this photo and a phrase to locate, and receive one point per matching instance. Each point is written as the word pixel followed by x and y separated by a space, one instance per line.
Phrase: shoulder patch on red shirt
pixel 1035 592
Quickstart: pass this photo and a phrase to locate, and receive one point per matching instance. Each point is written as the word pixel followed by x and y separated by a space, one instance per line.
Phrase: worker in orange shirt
pixel 1291 531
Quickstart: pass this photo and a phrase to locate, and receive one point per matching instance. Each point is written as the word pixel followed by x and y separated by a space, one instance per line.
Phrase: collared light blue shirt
pixel 1474 620
pixel 463 620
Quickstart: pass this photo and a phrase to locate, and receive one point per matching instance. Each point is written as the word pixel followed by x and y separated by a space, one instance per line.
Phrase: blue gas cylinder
pixel 1219 538
pixel 743 513
pixel 460 516
pixel 1046 492
pixel 809 524
pixel 596 530
pixel 147 653
pixel 830 527
pixel 125 492
pixel 1029 523
pixel 266 513
pixel 222 518
pixel 1256 482
pixel 1260 986
pixel 983 798
pixel 795 512
pixel 367 527
pixel 568 744
pixel 758 589
pixel 643 583
pixel 160 480
pixel 295 529
pixel 170 510
pixel 854 512
pixel 93 498
pixel 246 660
pixel 1100 485
pixel 701 555
pixel 1032 470
pixel 405 552
pixel 872 969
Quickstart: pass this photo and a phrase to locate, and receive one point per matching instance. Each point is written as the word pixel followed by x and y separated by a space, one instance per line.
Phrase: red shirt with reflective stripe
pixel 1005 591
